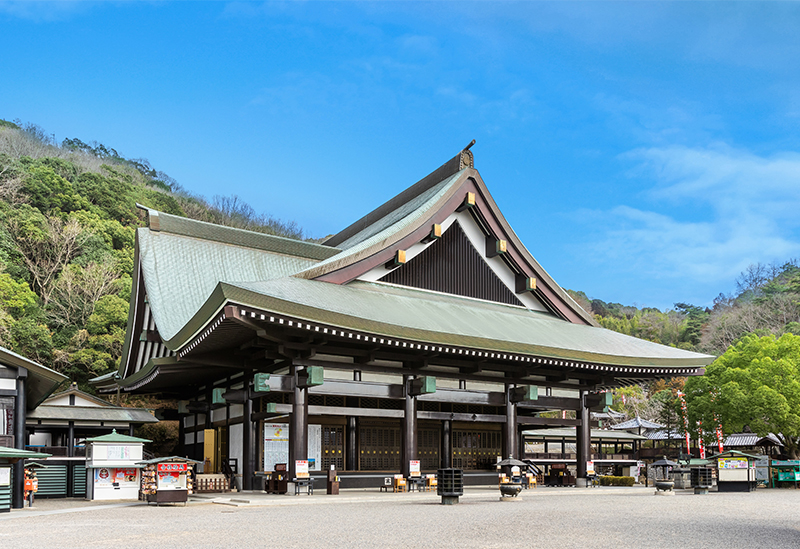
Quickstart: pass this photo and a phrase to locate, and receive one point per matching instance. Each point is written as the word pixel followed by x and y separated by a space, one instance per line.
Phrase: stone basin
pixel 510 489
pixel 665 485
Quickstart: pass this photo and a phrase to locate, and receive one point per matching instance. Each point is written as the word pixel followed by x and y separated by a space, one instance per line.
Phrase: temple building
pixel 425 331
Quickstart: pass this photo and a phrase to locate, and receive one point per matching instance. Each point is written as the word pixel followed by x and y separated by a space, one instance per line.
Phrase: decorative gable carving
pixel 452 265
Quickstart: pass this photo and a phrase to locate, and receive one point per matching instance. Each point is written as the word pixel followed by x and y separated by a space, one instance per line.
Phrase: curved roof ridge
pixel 463 159
pixel 184 226
pixel 396 225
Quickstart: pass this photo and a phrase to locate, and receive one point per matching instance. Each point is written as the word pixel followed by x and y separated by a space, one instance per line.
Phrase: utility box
pixel 112 467
pixel 333 482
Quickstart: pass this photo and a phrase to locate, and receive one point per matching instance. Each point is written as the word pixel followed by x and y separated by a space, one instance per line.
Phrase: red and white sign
pixel 413 468
pixel 301 468
pixel 173 467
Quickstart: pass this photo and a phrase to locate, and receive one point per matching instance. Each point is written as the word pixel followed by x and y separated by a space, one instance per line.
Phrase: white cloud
pixel 709 214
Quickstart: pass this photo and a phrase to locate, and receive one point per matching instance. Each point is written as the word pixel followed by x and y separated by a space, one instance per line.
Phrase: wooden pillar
pixel 447 444
pixel 298 429
pixel 71 439
pixel 249 439
pixel 194 445
pixel 71 453
pixel 351 443
pixel 408 433
pixel 181 449
pixel 130 430
pixel 18 488
pixel 583 441
pixel 510 432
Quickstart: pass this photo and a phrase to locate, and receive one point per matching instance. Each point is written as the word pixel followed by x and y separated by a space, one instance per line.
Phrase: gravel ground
pixel 552 518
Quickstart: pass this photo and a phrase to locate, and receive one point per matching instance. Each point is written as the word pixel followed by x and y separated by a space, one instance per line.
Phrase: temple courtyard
pixel 543 517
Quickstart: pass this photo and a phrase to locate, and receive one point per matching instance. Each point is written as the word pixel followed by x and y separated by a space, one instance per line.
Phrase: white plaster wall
pixel 237 410
pixel 235 443
pixel 218 414
pixel 41 439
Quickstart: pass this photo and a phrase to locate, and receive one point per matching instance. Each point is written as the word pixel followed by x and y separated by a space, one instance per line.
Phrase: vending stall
pixel 167 480
pixel 112 466
pixel 736 472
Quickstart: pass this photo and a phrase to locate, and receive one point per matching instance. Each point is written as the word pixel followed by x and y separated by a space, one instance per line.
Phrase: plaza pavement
pixel 545 517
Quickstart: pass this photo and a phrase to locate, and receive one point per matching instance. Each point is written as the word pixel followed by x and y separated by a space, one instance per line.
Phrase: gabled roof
pixel 569 433
pixel 183 260
pixel 41 382
pixel 14 453
pixel 751 439
pixel 73 390
pixel 114 436
pixel 637 422
pixel 92 413
pixel 170 459
pixel 407 218
pixel 424 316
pixel 188 273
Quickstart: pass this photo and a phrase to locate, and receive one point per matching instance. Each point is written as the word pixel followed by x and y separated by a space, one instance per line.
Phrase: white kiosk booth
pixel 112 467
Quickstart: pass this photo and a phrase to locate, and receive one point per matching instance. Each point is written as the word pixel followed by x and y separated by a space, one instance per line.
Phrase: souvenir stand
pixel 784 473
pixel 736 472
pixel 167 479
pixel 112 466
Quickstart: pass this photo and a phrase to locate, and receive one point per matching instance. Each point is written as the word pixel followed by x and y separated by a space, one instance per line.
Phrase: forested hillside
pixel 67 221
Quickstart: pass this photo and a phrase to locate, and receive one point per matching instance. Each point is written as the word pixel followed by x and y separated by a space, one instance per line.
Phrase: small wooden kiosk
pixel 112 466
pixel 166 479
pixel 736 472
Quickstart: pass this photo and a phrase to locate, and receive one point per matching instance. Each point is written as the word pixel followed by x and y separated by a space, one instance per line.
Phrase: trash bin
pixel 450 485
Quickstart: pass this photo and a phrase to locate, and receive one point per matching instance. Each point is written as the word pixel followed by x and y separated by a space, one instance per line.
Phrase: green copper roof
pixel 162 222
pixel 170 459
pixel 569 433
pixel 180 272
pixel 91 413
pixel 431 317
pixel 390 228
pixel 114 436
pixel 13 453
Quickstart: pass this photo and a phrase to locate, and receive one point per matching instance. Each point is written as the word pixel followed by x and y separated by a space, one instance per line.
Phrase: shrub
pixel 616 481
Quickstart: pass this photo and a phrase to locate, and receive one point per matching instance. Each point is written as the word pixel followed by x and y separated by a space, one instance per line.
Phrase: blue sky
pixel 646 153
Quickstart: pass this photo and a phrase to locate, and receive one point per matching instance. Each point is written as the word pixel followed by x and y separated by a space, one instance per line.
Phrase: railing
pixel 58 451
pixel 550 455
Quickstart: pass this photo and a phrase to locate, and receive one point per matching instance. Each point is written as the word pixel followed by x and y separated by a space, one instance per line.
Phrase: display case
pixel 167 480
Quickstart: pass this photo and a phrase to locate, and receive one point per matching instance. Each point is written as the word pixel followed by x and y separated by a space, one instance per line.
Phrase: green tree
pixel 756 382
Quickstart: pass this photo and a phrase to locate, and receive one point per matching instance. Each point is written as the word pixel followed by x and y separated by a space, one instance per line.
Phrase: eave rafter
pixel 298 340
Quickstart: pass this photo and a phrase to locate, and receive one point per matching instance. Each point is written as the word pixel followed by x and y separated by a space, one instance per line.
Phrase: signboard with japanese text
pixel 301 468
pixel 732 463
pixel 179 467
pixel 414 468
pixel 276 446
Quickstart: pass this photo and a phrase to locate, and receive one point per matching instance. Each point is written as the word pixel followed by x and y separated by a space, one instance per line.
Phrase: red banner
pixel 173 467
